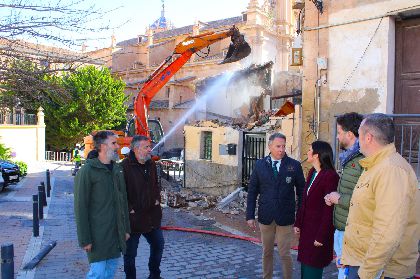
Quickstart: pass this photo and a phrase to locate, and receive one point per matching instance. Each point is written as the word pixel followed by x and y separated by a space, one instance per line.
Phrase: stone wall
pixel 210 178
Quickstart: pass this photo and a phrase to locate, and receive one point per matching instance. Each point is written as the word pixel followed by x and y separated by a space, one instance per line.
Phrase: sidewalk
pixel 16 212
pixel 186 255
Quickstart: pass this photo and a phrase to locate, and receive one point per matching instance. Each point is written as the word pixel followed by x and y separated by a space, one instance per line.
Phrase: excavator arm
pixel 238 50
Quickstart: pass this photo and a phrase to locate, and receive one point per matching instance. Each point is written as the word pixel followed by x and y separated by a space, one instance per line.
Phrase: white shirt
pixel 278 165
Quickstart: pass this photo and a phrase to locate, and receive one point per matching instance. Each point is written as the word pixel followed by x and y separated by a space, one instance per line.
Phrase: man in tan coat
pixel 381 235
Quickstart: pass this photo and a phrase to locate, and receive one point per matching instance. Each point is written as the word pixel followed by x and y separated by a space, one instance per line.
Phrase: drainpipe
pixel 318 107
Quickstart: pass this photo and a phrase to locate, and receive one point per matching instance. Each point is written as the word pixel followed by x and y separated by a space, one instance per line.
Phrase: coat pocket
pixel 357 238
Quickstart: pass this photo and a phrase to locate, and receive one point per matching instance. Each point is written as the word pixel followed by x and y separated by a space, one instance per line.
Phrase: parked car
pixel 2 185
pixel 10 172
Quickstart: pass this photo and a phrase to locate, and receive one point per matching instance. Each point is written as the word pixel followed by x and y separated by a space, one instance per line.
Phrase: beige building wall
pixel 357 38
pixel 290 126
pixel 220 175
pixel 26 141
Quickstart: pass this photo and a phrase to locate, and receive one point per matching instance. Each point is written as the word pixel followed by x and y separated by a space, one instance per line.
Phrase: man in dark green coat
pixel 100 206
pixel 347 134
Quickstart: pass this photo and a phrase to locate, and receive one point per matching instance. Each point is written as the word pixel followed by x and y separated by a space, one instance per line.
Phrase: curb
pixel 34 245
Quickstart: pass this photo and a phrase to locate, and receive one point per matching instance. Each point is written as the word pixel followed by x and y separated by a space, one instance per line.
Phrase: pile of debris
pixel 232 204
pixel 184 199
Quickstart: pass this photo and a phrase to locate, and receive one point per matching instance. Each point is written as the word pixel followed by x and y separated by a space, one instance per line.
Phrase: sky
pixel 126 19
pixel 135 15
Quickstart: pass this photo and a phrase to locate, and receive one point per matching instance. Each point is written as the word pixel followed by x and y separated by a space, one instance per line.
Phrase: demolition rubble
pixel 189 200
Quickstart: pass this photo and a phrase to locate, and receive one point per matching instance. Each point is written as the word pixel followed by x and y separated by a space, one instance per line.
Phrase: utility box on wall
pixel 227 149
pixel 231 148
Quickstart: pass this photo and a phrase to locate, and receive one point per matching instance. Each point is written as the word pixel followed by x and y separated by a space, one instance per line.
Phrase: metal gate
pixel 253 149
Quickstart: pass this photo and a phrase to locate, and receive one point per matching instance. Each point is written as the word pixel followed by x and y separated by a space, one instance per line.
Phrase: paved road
pixel 186 255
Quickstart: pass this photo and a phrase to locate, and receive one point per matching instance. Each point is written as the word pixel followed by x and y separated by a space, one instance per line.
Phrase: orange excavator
pixel 140 124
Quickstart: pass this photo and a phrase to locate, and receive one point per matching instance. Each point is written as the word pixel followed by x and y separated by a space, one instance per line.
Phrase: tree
pixel 29 87
pixel 96 103
pixel 65 24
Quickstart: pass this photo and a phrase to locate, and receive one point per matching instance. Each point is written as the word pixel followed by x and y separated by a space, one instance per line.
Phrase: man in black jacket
pixel 275 179
pixel 143 196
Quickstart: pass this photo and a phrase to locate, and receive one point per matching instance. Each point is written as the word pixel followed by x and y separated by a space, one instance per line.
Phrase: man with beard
pixel 100 207
pixel 348 137
pixel 143 194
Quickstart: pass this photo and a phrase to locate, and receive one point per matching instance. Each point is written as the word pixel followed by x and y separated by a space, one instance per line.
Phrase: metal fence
pixel 407 139
pixel 253 149
pixel 58 156
pixel 18 119
pixel 171 170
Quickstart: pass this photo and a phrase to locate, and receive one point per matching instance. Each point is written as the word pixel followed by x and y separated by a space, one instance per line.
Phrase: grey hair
pixel 380 126
pixel 276 136
pixel 100 138
pixel 135 142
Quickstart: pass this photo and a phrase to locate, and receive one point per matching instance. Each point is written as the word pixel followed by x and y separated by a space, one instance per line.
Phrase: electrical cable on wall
pixel 349 77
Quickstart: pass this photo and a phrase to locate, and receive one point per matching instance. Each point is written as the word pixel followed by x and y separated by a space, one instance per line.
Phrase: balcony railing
pixel 17 119
pixel 58 156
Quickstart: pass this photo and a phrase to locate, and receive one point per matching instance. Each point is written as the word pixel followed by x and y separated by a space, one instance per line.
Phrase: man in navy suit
pixel 274 180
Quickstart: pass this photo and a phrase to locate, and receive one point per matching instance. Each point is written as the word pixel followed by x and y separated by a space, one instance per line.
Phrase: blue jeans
pixel 156 242
pixel 353 273
pixel 103 270
pixel 338 249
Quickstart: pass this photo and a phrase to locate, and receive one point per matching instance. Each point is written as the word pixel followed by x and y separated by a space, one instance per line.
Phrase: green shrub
pixel 23 167
pixel 5 153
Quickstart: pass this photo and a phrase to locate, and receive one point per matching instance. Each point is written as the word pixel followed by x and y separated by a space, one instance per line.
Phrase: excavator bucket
pixel 238 48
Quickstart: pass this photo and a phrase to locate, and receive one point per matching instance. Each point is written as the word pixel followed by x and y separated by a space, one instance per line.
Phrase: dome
pixel 161 22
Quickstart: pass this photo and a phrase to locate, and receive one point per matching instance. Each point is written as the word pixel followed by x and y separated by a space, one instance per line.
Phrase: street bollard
pixel 45 189
pixel 44 195
pixel 40 203
pixel 7 264
pixel 35 220
pixel 44 251
pixel 48 182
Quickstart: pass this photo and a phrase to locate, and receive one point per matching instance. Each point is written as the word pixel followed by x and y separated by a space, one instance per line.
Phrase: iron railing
pixel 407 139
pixel 58 156
pixel 171 171
pixel 18 119
pixel 253 150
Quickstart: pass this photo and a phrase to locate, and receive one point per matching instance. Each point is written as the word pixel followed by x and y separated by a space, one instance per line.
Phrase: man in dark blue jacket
pixel 275 179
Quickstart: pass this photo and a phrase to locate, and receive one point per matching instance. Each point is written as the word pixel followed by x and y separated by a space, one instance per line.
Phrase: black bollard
pixel 48 182
pixel 40 203
pixel 35 220
pixel 44 251
pixel 7 264
pixel 45 189
pixel 44 195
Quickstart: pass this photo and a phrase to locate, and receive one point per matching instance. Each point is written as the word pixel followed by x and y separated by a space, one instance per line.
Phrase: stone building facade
pixel 358 56
pixel 267 26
